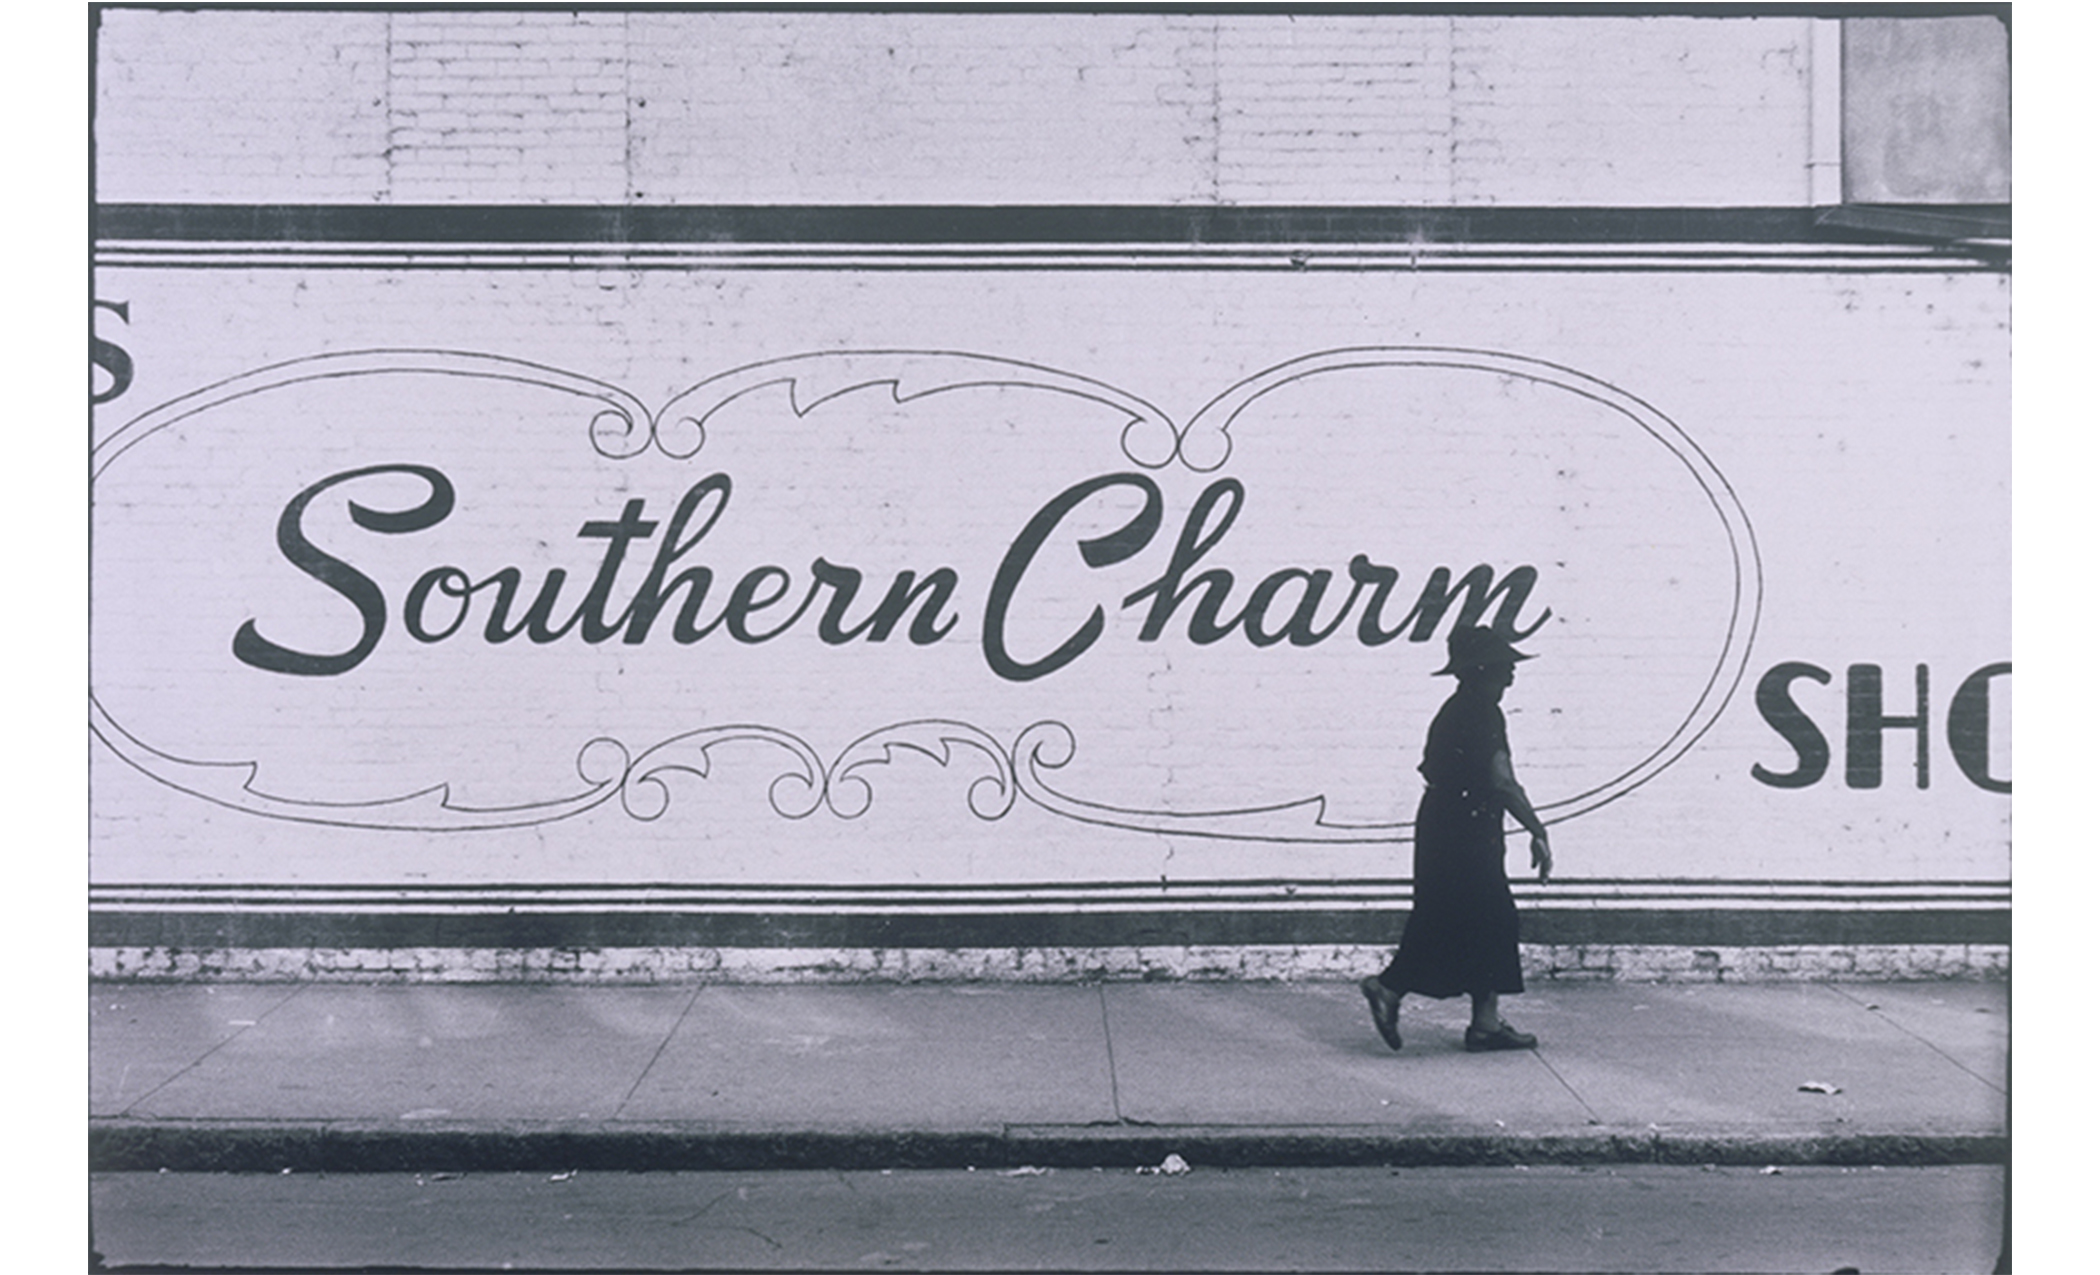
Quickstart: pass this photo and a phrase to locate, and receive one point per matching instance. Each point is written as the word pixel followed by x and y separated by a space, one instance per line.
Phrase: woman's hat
pixel 1472 646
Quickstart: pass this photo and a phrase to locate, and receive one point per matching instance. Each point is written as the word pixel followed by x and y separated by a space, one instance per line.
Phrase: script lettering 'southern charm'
pixel 1287 605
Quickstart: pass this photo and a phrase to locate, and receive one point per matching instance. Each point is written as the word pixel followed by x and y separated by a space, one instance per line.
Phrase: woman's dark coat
pixel 1461 935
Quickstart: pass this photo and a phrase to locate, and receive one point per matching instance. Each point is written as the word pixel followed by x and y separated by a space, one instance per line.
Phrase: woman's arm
pixel 1517 803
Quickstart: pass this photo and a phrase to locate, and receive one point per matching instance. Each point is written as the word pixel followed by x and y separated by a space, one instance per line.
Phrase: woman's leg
pixel 1487 1011
pixel 1385 1009
pixel 1487 1031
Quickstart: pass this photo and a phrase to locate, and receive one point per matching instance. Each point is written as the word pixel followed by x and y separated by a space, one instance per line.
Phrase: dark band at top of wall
pixel 1966 228
pixel 1271 8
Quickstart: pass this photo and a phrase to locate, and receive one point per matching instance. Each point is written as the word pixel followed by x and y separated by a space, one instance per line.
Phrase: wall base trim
pixel 1543 964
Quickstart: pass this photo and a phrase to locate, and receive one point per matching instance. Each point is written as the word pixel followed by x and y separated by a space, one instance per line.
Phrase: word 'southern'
pixel 1289 605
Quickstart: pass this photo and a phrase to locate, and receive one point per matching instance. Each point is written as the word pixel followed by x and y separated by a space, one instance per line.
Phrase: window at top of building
pixel 1927 110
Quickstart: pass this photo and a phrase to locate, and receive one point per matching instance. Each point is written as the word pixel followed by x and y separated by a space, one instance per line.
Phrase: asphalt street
pixel 1627 1218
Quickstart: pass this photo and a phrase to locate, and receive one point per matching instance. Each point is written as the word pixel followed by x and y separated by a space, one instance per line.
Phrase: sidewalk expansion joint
pixel 1883 1016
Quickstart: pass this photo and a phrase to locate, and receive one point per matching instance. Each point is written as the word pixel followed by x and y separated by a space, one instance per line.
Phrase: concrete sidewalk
pixel 348 1077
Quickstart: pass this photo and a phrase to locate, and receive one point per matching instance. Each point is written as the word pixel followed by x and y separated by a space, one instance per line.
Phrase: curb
pixel 348 1147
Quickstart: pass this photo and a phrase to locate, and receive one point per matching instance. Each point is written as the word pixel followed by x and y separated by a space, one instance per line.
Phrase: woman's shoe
pixel 1503 1037
pixel 1385 1010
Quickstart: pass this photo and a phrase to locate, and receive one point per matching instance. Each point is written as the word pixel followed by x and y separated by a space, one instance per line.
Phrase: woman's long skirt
pixel 1461 936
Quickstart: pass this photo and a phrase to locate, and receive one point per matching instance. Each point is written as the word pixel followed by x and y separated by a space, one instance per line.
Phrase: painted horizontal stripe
pixel 947 224
pixel 1080 895
pixel 1196 261
pixel 1128 909
pixel 1252 883
pixel 1294 258
pixel 152 249
pixel 1379 894
pixel 1707 927
pixel 1540 898
pixel 1577 911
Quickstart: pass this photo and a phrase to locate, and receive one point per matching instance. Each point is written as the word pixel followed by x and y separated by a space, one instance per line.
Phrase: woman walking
pixel 1461 935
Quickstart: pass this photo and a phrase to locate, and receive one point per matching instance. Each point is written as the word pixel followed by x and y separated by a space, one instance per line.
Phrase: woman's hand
pixel 1541 856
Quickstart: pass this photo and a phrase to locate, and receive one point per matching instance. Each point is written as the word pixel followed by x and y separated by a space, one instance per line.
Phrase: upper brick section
pixel 1683 110
pixel 649 106
pixel 514 107
pixel 1346 110
pixel 865 108
pixel 249 106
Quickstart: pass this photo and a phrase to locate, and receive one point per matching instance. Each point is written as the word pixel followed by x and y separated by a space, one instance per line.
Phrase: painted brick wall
pixel 247 106
pixel 507 107
pixel 1855 401
pixel 1861 421
pixel 655 107
pixel 1681 111
pixel 761 108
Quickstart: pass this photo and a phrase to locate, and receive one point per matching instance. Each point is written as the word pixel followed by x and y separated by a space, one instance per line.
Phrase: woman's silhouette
pixel 1461 935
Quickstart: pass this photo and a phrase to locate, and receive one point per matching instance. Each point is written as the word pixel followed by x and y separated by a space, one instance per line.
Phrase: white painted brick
pixel 1850 404
pixel 1022 108
pixel 1855 351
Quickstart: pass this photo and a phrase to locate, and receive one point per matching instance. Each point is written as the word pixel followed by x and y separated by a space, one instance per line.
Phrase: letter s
pixel 1776 702
pixel 252 648
pixel 109 356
